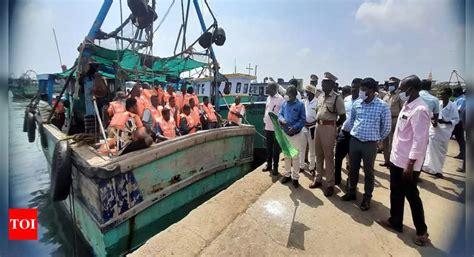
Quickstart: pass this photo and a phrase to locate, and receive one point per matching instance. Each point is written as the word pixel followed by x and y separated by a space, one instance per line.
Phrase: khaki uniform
pixel 395 103
pixel 328 110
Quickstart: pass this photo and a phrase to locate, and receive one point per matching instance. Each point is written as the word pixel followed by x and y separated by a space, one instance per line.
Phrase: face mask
pixel 403 96
pixel 391 88
pixel 287 98
pixel 363 95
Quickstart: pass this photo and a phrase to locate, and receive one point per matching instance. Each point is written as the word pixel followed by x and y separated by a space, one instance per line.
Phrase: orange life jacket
pixel 141 105
pixel 60 107
pixel 196 115
pixel 155 114
pixel 168 128
pixel 187 97
pixel 166 97
pixel 147 93
pixel 179 100
pixel 190 122
pixel 120 119
pixel 116 107
pixel 235 108
pixel 209 110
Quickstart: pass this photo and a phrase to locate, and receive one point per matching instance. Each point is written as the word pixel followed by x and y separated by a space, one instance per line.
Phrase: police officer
pixel 331 113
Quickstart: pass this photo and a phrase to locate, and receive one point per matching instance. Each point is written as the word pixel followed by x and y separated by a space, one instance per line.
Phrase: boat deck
pixel 258 217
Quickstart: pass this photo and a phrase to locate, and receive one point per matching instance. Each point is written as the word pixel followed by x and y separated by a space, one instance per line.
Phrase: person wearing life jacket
pixel 147 92
pixel 128 131
pixel 152 113
pixel 174 110
pixel 166 127
pixel 118 105
pixel 180 96
pixel 159 92
pixel 236 112
pixel 59 113
pixel 210 115
pixel 195 113
pixel 169 93
pixel 190 94
pixel 135 94
pixel 187 124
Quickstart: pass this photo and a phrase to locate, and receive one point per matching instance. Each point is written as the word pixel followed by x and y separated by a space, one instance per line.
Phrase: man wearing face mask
pixel 371 122
pixel 395 103
pixel 330 107
pixel 309 129
pixel 273 104
pixel 344 136
pixel 410 143
pixel 292 118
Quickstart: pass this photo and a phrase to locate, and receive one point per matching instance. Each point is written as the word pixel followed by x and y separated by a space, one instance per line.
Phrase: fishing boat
pixel 118 202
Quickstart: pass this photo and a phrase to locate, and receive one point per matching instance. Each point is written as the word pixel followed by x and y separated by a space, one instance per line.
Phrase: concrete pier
pixel 257 217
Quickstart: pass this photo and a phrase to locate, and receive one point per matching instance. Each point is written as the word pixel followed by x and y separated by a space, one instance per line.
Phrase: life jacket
pixel 168 128
pixel 174 113
pixel 116 107
pixel 60 107
pixel 160 93
pixel 235 108
pixel 210 113
pixel 141 105
pixel 196 115
pixel 166 97
pixel 190 122
pixel 155 114
pixel 119 121
pixel 187 97
pixel 147 94
pixel 179 100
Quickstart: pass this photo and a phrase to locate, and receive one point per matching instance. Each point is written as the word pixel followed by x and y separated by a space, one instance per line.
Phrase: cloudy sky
pixel 285 38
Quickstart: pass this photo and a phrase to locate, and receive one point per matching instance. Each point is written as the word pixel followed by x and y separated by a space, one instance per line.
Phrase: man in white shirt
pixel 310 104
pixel 273 104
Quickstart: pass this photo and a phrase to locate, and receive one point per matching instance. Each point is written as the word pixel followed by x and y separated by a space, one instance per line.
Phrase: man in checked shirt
pixel 371 122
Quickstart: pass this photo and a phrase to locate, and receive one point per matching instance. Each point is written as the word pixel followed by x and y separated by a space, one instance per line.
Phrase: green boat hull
pixel 121 202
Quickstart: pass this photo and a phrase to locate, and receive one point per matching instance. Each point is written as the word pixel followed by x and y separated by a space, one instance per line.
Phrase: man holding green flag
pixel 292 118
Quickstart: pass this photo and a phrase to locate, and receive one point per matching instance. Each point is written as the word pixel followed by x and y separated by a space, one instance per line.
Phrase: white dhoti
pixel 308 139
pixel 292 165
pixel 437 148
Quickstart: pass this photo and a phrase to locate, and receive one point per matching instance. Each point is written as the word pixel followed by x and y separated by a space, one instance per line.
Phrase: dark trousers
pixel 273 149
pixel 342 149
pixel 365 151
pixel 399 189
pixel 458 132
pixel 134 146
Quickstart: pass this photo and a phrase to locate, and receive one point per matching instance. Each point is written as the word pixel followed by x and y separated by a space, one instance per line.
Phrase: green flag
pixel 287 149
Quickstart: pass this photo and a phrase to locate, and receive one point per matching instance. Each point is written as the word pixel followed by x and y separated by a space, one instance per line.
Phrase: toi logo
pixel 22 224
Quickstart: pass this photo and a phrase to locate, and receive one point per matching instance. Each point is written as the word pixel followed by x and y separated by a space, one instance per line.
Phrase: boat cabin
pixel 239 84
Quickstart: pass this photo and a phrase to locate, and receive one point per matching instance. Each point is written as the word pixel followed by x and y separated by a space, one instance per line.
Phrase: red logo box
pixel 23 224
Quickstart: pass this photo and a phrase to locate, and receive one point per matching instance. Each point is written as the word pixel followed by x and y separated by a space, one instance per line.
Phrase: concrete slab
pixel 255 217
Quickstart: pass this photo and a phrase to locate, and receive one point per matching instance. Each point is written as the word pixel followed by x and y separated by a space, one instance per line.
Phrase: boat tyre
pixel 43 139
pixel 31 127
pixel 61 169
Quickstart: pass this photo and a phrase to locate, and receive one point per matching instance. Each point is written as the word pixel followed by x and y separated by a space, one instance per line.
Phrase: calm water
pixel 29 188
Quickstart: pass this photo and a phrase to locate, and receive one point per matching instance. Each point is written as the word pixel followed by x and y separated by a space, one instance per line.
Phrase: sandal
pixel 422 240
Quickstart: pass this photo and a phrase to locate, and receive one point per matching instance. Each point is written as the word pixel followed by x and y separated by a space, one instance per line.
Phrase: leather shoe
pixel 348 197
pixel 384 164
pixel 267 168
pixel 295 183
pixel 365 204
pixel 439 175
pixel 315 184
pixel 386 224
pixel 301 170
pixel 285 180
pixel 329 191
pixel 274 172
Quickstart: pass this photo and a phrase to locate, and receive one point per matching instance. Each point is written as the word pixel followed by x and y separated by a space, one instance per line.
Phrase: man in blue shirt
pixel 371 122
pixel 292 118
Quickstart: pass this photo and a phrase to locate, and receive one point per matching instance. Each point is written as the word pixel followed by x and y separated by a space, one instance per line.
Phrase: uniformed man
pixel 331 113
pixel 309 129
pixel 395 103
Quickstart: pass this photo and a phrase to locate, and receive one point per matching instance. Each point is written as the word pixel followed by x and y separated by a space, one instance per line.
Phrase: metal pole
pixel 121 22
pixel 57 48
pixel 101 127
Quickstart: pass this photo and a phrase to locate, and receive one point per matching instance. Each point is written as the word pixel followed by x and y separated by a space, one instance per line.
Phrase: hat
pixel 329 76
pixel 369 83
pixel 313 77
pixel 393 80
pixel 310 88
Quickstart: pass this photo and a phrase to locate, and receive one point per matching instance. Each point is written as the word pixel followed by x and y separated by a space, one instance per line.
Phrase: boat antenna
pixel 57 48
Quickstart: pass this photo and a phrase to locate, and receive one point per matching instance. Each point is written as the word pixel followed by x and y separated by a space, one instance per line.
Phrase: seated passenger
pixel 187 123
pixel 118 105
pixel 236 112
pixel 210 115
pixel 128 131
pixel 152 113
pixel 174 109
pixel 166 127
pixel 195 113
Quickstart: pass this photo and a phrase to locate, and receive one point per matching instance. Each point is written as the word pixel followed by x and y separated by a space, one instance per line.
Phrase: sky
pixel 285 38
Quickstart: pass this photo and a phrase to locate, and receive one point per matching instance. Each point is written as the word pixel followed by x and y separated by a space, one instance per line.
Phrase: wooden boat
pixel 120 202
